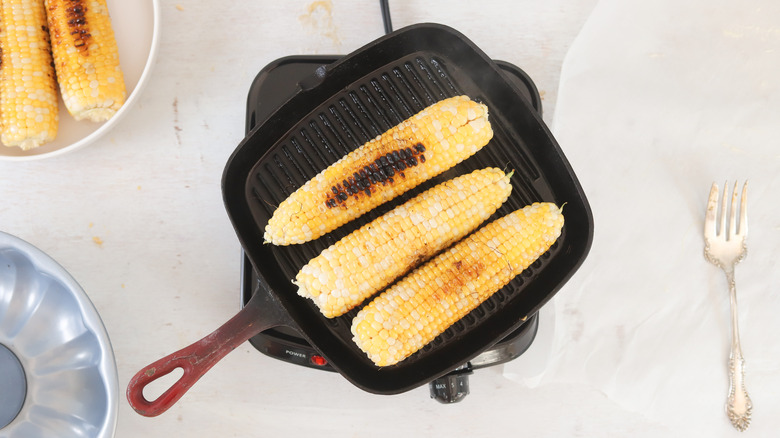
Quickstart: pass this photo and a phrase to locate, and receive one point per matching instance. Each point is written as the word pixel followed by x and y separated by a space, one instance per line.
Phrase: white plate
pixel 70 385
pixel 136 27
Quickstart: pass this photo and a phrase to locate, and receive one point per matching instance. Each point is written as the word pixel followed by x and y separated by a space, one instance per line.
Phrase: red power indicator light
pixel 318 360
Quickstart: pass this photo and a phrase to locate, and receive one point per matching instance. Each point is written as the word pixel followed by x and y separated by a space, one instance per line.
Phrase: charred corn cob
pixel 86 58
pixel 426 302
pixel 368 259
pixel 28 87
pixel 416 150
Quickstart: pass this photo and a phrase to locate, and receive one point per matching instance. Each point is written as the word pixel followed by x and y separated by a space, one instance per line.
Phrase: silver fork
pixel 725 245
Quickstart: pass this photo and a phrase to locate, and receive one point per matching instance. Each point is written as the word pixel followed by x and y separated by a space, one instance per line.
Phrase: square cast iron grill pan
pixel 355 99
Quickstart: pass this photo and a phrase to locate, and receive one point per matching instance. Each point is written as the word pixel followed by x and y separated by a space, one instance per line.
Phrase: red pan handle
pixel 198 358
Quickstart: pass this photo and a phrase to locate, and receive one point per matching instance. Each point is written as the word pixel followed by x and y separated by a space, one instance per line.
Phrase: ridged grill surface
pixel 361 112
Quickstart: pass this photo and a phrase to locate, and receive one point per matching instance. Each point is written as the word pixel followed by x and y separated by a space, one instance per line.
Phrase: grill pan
pixel 340 107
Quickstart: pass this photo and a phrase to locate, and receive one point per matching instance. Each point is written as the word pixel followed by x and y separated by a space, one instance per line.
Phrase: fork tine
pixel 724 211
pixel 743 223
pixel 711 215
pixel 733 213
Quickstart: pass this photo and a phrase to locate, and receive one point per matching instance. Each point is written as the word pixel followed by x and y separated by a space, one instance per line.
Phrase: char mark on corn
pixel 77 25
pixel 356 267
pixel 380 171
pixel 28 88
pixel 420 306
pixel 419 148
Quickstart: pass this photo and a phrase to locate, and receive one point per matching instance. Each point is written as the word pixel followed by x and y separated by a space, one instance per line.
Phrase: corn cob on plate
pixel 423 146
pixel 28 88
pixel 136 28
pixel 422 305
pixel 86 58
pixel 368 259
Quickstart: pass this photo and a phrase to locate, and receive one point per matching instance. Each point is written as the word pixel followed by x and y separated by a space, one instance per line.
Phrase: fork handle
pixel 739 406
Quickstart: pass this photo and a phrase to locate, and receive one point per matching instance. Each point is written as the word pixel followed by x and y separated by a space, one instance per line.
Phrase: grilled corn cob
pixel 28 87
pixel 86 58
pixel 368 259
pixel 416 150
pixel 423 304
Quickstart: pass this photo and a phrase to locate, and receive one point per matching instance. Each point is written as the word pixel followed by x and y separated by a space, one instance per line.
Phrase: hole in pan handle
pixel 260 313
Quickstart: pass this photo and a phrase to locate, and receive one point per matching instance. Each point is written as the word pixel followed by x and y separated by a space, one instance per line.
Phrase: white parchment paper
pixel 658 100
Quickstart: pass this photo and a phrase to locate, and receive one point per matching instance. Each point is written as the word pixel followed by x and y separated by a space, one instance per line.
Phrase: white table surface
pixel 656 102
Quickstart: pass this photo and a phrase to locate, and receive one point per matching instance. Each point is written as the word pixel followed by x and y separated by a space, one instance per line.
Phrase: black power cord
pixel 384 4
